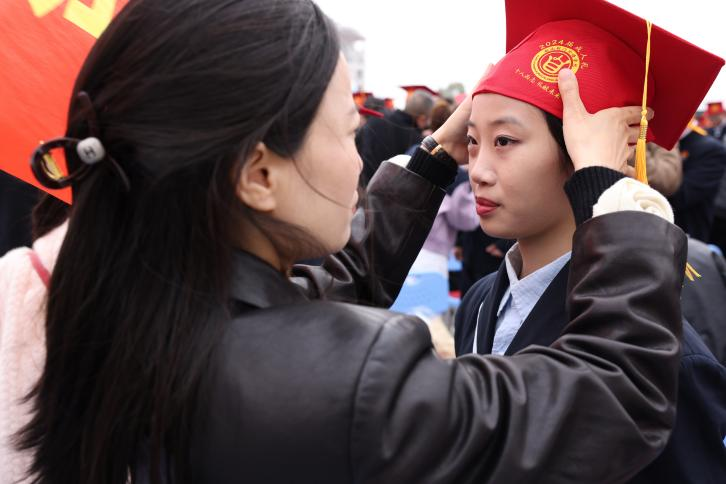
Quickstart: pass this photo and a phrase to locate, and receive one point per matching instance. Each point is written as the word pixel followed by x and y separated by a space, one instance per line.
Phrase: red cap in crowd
pixel 715 108
pixel 411 89
pixel 360 97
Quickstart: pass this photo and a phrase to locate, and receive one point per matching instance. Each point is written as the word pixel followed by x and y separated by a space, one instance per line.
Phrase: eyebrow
pixel 499 122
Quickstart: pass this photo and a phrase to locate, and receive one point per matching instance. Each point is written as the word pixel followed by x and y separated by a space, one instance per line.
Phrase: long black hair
pixel 182 91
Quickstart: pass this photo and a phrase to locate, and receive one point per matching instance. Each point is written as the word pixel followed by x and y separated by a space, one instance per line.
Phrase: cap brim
pixel 370 112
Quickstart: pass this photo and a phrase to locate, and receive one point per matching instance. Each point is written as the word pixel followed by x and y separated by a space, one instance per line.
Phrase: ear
pixel 257 182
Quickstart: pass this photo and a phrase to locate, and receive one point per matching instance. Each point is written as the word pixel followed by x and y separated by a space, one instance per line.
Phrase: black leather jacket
pixel 307 387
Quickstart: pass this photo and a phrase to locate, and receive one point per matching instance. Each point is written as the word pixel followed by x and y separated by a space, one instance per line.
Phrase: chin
pixel 494 228
pixel 336 244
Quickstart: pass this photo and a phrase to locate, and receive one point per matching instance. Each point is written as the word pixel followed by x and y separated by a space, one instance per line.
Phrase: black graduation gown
pixel 695 452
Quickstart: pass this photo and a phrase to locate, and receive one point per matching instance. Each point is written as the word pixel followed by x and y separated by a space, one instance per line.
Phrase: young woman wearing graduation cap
pixel 519 162
pixel 210 143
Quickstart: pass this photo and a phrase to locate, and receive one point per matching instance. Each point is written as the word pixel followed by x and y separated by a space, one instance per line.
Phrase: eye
pixel 504 141
pixel 470 140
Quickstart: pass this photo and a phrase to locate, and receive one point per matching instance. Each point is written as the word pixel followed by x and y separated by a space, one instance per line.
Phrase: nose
pixel 481 171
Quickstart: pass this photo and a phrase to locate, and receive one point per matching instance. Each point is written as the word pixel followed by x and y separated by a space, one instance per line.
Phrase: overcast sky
pixel 436 42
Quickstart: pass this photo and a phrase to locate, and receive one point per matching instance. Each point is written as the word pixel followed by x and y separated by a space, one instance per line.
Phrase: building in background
pixel 352 44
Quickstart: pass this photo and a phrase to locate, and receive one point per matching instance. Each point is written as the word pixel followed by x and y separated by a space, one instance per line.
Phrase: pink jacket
pixel 22 340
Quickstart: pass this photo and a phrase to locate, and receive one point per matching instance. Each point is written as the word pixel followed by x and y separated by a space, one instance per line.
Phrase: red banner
pixel 42 46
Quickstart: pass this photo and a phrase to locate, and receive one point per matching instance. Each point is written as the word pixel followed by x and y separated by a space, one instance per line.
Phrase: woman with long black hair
pixel 210 144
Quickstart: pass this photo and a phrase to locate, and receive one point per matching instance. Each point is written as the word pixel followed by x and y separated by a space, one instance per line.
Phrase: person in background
pixel 665 168
pixel 365 114
pixel 718 229
pixel 716 120
pixel 703 299
pixel 24 279
pixel 398 130
pixel 704 163
pixel 376 104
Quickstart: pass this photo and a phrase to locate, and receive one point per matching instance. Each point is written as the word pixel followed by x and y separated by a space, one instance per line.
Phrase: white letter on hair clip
pixel 90 150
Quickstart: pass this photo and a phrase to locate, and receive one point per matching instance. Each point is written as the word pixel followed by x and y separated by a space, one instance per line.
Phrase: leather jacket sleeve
pixel 371 268
pixel 596 406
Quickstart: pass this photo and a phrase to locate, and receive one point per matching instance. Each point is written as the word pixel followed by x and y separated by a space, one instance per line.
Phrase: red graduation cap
pixel 360 97
pixel 715 108
pixel 606 48
pixel 411 89
pixel 42 46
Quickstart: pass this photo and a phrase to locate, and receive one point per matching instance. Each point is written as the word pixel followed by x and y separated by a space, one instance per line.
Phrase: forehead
pixel 340 84
pixel 488 107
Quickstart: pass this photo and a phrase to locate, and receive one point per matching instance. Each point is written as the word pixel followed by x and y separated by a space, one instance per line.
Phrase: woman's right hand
pixel 606 138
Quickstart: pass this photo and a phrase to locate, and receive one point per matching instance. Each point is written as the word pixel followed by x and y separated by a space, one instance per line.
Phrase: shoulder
pixel 305 334
pixel 15 268
pixel 704 145
pixel 22 293
pixel 298 369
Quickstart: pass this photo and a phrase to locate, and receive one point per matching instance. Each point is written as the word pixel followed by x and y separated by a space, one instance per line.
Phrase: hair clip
pixel 45 168
pixel 90 151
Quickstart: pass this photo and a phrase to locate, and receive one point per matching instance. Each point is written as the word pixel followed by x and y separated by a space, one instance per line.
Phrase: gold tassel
pixel 641 173
pixel 691 272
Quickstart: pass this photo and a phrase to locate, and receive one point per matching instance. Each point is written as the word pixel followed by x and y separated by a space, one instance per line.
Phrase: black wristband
pixel 585 187
pixel 438 172
pixel 429 143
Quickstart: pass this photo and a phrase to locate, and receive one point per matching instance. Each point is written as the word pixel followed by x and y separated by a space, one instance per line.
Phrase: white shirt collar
pixel 526 292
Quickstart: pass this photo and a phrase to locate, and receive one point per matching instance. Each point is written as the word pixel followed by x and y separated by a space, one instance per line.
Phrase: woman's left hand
pixel 452 134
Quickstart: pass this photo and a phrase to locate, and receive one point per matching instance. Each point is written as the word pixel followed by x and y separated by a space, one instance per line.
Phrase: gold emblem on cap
pixel 550 60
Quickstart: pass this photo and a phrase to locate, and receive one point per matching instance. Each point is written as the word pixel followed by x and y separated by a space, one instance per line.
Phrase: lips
pixel 485 206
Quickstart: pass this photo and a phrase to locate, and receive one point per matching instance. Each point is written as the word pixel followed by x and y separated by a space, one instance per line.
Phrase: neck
pixel 539 250
pixel 257 243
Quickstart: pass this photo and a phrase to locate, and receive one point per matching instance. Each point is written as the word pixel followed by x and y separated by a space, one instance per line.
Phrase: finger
pixel 633 134
pixel 629 171
pixel 570 91
pixel 631 154
pixel 632 114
